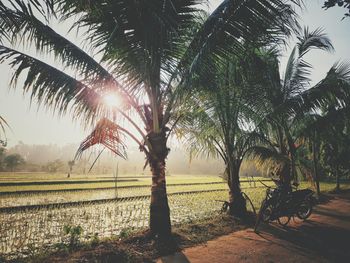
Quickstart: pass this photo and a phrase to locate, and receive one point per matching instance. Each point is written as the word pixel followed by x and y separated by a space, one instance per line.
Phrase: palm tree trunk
pixel 237 203
pixel 337 181
pixel 160 225
pixel 314 155
pixel 290 173
pixel 285 175
pixel 293 175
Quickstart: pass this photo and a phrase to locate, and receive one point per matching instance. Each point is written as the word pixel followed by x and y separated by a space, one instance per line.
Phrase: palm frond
pixel 247 140
pixel 135 43
pixel 265 156
pixel 107 134
pixel 297 74
pixel 334 90
pixel 235 24
pixel 199 132
pixel 321 124
pixel 53 87
pixel 316 39
pixel 305 127
pixel 22 25
pixel 58 90
pixel 44 7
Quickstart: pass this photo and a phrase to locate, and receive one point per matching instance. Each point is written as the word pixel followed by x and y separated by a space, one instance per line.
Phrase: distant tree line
pixel 52 158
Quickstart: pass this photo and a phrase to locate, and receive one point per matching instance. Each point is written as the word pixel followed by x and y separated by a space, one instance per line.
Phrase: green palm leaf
pixel 334 89
pixel 235 24
pixel 297 75
pixel 268 157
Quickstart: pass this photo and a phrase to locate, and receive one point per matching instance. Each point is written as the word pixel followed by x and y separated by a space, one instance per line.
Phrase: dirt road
pixel 325 237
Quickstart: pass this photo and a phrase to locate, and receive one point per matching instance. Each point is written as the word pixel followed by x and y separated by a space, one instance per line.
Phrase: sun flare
pixel 112 100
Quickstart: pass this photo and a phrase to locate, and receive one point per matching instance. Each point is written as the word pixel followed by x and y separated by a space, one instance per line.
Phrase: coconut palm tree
pixel 330 129
pixel 309 133
pixel 220 122
pixel 327 133
pixel 287 100
pixel 144 53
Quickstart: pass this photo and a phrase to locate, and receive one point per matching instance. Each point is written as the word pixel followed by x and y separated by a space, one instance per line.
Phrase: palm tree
pixel 309 131
pixel 220 123
pixel 320 130
pixel 332 128
pixel 144 52
pixel 287 100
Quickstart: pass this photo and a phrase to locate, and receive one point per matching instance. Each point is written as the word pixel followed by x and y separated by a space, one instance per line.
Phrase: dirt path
pixel 325 237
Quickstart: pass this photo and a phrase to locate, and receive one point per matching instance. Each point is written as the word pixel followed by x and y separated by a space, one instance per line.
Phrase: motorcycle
pixel 281 205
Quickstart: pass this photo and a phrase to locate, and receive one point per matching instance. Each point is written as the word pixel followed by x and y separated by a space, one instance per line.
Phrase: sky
pixel 33 125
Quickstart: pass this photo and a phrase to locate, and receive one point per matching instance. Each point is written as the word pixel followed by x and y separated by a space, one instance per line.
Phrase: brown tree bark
pixel 237 203
pixel 289 169
pixel 337 187
pixel 285 174
pixel 314 154
pixel 160 225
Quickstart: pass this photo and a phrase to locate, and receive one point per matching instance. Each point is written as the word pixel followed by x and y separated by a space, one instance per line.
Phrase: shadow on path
pixel 323 238
pixel 312 239
pixel 178 257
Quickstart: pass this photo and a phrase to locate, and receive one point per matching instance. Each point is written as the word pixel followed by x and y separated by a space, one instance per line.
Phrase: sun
pixel 112 100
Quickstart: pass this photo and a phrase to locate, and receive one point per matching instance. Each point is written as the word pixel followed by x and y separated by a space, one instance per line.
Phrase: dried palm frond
pixel 107 134
pixel 3 126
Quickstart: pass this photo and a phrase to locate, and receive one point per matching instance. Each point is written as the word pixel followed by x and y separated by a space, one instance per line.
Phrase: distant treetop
pixel 341 3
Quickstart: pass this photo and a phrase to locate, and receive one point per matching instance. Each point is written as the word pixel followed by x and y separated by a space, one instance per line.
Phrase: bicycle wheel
pixel 284 220
pixel 304 210
pixel 225 207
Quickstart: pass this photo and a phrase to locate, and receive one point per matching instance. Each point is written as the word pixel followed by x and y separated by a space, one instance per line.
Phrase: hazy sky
pixel 33 126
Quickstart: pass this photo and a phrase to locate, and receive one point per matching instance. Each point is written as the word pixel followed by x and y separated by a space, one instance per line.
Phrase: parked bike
pixel 281 205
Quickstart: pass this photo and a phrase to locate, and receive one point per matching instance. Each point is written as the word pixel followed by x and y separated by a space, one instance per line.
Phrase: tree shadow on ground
pixel 312 238
pixel 333 214
pixel 178 257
